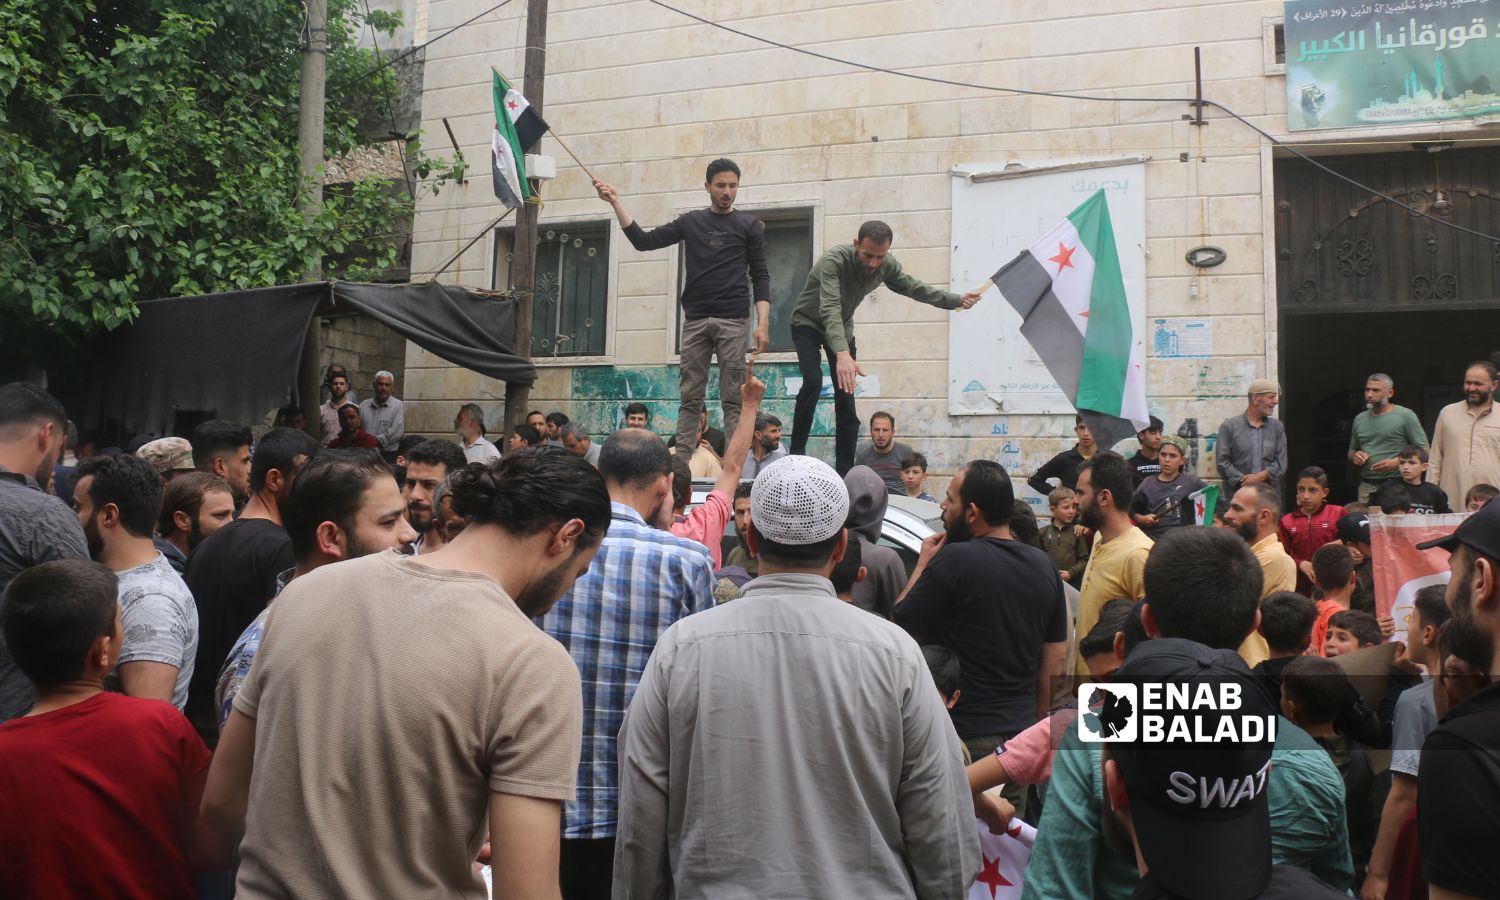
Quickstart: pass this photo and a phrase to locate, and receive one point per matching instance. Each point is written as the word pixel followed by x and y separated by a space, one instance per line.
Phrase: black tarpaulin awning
pixel 237 353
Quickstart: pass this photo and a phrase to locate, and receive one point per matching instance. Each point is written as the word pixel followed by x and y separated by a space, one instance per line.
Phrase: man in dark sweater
pixel 1064 466
pixel 720 245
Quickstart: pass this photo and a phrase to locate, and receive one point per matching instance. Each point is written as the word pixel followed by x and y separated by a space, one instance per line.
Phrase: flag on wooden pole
pixel 1071 296
pixel 508 167
pixel 529 124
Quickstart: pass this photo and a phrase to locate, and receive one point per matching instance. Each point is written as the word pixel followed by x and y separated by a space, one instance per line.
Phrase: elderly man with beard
pixel 1253 513
pixel 1106 483
pixel 997 603
pixel 193 506
pixel 1379 435
pixel 1459 777
pixel 35 526
pixel 1466 439
pixel 427 466
pixel 434 710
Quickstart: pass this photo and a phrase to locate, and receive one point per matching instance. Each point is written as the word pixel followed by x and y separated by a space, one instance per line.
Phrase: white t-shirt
pixel 159 622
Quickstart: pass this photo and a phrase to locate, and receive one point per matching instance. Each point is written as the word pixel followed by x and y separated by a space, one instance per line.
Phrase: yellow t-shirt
pixel 1280 574
pixel 1116 569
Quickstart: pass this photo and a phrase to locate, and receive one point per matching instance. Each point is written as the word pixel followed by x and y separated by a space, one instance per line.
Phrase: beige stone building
pixel 1320 284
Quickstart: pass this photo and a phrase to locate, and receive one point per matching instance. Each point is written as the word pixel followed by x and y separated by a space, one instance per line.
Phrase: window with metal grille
pixel 571 287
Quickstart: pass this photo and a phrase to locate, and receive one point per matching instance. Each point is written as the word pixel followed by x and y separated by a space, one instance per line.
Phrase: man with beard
pixel 469 425
pixel 884 453
pixel 997 604
pixel 222 448
pixel 1459 777
pixel 34 525
pixel 233 572
pixel 352 434
pixel 1253 513
pixel 116 498
pixel 428 464
pixel 193 506
pixel 642 581
pixel 465 720
pixel 338 398
pixel 765 446
pixel 345 505
pixel 384 415
pixel 1466 438
pixel 1379 435
pixel 1106 482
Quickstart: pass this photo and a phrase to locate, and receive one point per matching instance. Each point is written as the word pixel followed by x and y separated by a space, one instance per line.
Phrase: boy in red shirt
pixel 100 790
pixel 1312 524
pixel 1333 573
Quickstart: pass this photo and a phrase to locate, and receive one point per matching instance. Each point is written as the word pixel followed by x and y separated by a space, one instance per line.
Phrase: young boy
pixel 1161 501
pixel 1354 533
pixel 1416 715
pixel 1060 540
pixel 1393 500
pixel 1424 498
pixel 1350 630
pixel 1478 496
pixel 1286 622
pixel 1333 574
pixel 1313 691
pixel 1311 525
pixel 914 477
pixel 100 790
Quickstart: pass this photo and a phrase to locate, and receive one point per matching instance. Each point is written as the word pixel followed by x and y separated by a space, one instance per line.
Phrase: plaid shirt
pixel 642 580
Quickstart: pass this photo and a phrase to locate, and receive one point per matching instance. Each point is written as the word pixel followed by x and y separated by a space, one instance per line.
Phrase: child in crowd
pixel 1333 574
pixel 1313 690
pixel 914 477
pixel 1350 630
pixel 1479 495
pixel 100 790
pixel 1354 533
pixel 1394 499
pixel 1423 498
pixel 1416 715
pixel 1161 501
pixel 1060 539
pixel 1286 622
pixel 851 571
pixel 1311 525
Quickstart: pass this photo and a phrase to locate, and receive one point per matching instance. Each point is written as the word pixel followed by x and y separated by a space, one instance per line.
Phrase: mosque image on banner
pixel 1363 63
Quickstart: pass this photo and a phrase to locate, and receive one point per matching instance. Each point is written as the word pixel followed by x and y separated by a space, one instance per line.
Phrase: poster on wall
pixel 998 211
pixel 1354 63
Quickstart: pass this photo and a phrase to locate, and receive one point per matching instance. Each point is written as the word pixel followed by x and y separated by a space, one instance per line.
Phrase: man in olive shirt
pixel 1381 432
pixel 823 324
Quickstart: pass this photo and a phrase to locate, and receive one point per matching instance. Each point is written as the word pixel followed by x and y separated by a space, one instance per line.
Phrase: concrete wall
pixel 646 97
pixel 363 346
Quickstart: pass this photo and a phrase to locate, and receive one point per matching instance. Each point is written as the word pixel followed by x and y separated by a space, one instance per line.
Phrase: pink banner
pixel 1400 568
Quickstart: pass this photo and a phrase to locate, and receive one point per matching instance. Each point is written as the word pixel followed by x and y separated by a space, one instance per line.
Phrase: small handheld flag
pixel 1204 504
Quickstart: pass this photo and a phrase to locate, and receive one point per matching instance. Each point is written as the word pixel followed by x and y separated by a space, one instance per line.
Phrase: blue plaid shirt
pixel 642 580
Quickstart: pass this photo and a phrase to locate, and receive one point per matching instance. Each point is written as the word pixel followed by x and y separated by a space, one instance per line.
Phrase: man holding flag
pixel 517 127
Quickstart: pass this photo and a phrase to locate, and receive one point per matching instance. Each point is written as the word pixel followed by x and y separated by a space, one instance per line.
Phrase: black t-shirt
pixel 718 250
pixel 1287 883
pixel 1144 468
pixel 1426 497
pixel 1063 467
pixel 232 575
pixel 1459 784
pixel 993 603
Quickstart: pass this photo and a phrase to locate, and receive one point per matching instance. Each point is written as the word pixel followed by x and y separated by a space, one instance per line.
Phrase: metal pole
pixel 310 200
pixel 523 263
pixel 1198 80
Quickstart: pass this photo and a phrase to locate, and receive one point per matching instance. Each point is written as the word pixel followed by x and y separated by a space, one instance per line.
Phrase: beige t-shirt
pixel 390 699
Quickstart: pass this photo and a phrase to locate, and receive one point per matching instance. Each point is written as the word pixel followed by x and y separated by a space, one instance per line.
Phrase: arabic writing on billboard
pixel 1362 63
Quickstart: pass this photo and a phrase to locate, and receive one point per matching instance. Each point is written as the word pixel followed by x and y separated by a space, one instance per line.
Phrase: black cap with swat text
pixel 1200 810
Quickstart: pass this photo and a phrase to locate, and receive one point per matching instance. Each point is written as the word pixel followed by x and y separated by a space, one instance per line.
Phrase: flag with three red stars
pixel 1005 857
pixel 1071 296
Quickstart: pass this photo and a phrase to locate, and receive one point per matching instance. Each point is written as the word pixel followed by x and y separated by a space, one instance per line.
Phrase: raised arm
pixel 639 238
pixel 751 393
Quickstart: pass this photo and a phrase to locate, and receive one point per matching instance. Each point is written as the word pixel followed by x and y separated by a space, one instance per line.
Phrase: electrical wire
pixel 390 105
pixel 1275 142
pixel 428 43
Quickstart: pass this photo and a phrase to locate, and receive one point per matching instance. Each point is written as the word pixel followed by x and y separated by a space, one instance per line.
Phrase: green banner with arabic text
pixel 1363 63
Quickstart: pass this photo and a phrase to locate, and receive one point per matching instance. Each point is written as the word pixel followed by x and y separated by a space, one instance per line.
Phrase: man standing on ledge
pixel 823 324
pixel 719 244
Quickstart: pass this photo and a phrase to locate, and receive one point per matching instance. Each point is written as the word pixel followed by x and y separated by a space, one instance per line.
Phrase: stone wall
pixel 363 346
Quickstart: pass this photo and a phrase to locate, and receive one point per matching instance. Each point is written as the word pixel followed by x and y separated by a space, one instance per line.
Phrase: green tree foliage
pixel 149 149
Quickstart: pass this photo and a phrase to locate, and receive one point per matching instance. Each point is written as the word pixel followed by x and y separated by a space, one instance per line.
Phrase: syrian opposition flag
pixel 1005 857
pixel 1205 503
pixel 1070 294
pixel 517 126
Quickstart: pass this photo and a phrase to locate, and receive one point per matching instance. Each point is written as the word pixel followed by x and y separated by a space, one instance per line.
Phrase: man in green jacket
pixel 823 325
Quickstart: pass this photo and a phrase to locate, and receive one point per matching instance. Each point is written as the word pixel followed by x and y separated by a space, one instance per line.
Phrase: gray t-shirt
pixel 1416 715
pixel 887 465
pixel 35 527
pixel 159 621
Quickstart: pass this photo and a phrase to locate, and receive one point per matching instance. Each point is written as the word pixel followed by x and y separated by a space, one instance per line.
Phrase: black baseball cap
pixel 1200 810
pixel 1354 528
pixel 1480 531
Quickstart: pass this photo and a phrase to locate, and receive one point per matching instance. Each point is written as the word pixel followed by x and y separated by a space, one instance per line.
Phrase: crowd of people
pixel 264 663
pixel 273 665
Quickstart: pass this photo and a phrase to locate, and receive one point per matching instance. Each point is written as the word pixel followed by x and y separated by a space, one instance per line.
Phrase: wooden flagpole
pixel 554 134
